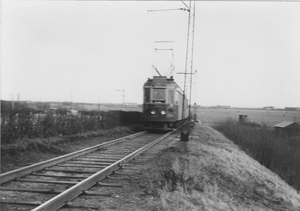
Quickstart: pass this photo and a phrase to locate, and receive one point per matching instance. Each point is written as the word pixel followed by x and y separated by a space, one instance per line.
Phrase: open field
pixel 268 117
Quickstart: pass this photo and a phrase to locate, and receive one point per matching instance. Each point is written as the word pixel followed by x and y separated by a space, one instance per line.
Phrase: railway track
pixel 53 184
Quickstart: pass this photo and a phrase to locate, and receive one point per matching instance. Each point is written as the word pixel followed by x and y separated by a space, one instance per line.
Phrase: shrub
pixel 19 126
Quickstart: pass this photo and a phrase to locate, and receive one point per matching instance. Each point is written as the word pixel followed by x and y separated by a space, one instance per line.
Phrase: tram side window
pixel 147 95
pixel 171 96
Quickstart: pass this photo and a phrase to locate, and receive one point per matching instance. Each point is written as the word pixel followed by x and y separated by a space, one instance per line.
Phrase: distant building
pixel 287 128
pixel 219 107
pixel 223 106
pixel 291 108
pixel 269 108
pixel 243 119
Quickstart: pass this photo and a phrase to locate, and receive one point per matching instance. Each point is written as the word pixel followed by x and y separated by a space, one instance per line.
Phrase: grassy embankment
pixel 211 173
pixel 279 154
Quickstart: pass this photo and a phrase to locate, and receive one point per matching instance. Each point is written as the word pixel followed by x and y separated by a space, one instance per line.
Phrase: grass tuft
pixel 176 178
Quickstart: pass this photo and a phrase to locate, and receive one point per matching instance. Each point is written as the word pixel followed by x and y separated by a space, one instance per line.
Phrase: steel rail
pixel 64 197
pixel 11 175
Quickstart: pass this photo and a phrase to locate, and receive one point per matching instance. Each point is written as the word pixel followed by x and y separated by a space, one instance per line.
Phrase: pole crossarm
pixel 163 49
pixel 187 73
pixel 163 41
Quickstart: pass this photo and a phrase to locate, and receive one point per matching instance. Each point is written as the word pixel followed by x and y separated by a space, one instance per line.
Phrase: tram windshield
pixel 159 95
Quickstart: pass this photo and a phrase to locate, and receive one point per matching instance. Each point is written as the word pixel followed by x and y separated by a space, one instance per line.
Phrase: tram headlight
pixel 153 112
pixel 163 112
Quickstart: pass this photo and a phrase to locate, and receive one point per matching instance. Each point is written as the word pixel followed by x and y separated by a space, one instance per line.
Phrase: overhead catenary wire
pixel 171 67
pixel 171 62
pixel 185 4
pixel 184 9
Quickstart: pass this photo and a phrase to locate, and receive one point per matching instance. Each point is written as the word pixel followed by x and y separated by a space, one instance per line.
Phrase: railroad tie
pixel 118 178
pixel 109 185
pixel 44 181
pixel 59 176
pixel 93 193
pixel 47 191
pixel 72 205
pixel 30 203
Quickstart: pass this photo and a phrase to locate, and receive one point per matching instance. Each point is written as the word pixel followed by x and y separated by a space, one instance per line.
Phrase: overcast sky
pixel 246 53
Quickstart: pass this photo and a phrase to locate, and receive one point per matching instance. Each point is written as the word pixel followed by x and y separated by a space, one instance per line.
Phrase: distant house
pixel 287 128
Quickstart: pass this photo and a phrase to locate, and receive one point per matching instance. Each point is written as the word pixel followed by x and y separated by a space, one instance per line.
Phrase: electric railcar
pixel 162 106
